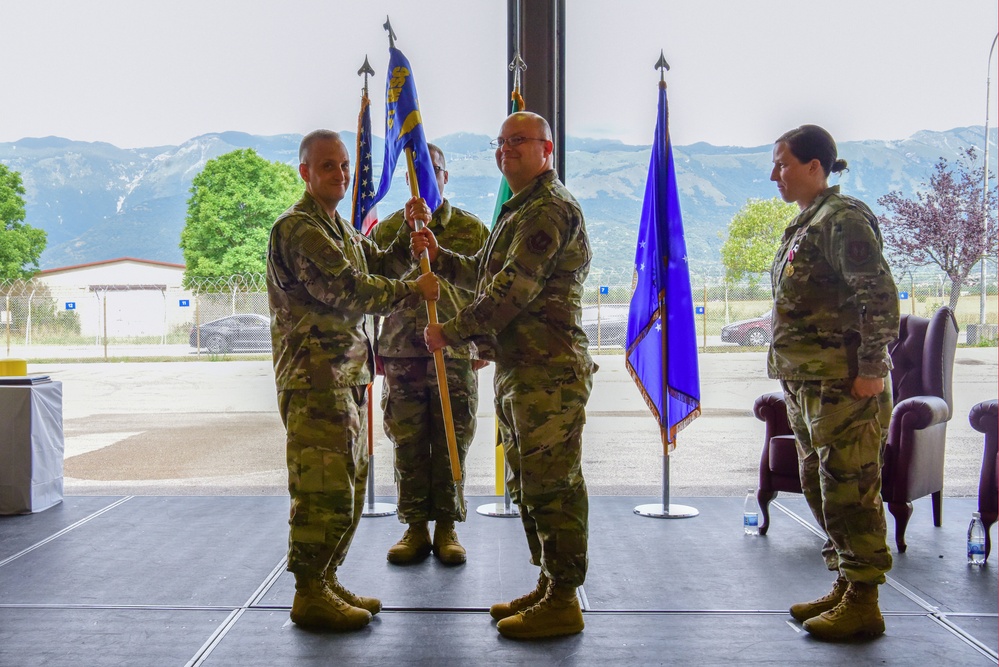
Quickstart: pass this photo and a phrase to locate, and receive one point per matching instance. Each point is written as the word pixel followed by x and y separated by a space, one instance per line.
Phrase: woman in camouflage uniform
pixel 835 311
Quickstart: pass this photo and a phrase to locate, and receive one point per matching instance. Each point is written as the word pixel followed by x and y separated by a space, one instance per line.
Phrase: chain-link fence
pixel 222 316
pixel 738 314
pixel 60 321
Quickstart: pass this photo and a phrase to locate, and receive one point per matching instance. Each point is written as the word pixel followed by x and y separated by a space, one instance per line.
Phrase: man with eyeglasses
pixel 410 397
pixel 528 282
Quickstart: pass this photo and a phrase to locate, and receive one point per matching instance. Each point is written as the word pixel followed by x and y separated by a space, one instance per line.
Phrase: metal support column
pixel 538 27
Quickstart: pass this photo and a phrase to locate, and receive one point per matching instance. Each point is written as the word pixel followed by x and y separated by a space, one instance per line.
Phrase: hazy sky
pixel 136 73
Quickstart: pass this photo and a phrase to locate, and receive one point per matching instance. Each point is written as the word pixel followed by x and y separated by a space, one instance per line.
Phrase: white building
pixel 122 298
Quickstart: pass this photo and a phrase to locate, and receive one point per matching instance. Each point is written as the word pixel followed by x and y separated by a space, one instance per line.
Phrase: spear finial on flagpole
pixel 365 70
pixel 517 66
pixel 663 67
pixel 388 26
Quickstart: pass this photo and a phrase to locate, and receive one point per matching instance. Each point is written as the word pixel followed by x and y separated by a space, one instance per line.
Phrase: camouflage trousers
pixel 414 422
pixel 541 414
pixel 840 443
pixel 327 472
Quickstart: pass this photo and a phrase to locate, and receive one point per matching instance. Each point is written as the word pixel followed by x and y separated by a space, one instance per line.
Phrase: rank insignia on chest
pixel 789 269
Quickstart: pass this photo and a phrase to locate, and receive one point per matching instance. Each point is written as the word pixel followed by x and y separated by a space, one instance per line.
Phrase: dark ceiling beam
pixel 541 39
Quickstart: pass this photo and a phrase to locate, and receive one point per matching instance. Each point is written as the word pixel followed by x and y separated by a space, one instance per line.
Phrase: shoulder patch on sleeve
pixel 538 242
pixel 858 252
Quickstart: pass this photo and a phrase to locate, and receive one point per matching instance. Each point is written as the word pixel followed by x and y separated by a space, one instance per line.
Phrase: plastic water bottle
pixel 976 540
pixel 751 516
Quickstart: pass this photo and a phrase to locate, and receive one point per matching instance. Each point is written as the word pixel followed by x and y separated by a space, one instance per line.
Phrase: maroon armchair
pixel 922 378
pixel 984 418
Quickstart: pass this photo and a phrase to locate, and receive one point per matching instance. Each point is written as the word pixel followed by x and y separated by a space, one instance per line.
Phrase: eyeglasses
pixel 439 170
pixel 512 142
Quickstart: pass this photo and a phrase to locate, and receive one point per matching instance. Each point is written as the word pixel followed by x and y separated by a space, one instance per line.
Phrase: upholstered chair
pixel 922 379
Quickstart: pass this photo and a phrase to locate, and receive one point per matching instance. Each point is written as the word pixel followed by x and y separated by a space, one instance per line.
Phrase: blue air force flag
pixel 404 128
pixel 661 350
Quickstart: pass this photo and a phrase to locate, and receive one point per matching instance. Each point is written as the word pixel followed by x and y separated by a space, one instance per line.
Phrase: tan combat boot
pixel 557 614
pixel 446 546
pixel 856 614
pixel 806 610
pixel 372 605
pixel 316 606
pixel 414 545
pixel 502 610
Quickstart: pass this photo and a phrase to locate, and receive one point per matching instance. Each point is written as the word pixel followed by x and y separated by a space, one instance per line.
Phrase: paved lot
pixel 211 427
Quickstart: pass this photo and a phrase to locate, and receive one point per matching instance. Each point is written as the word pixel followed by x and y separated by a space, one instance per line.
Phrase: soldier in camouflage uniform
pixel 528 282
pixel 320 294
pixel 411 398
pixel 835 311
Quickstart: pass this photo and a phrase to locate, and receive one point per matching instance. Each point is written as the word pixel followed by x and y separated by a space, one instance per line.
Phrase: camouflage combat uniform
pixel 528 282
pixel 320 293
pixel 410 396
pixel 835 311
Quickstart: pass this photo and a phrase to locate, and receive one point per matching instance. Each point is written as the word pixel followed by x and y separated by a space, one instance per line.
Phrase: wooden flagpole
pixel 452 441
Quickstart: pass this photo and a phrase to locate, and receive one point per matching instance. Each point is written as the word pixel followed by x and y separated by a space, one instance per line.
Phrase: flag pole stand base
pixel 503 509
pixel 672 511
pixel 378 509
pixel 371 508
pixel 665 509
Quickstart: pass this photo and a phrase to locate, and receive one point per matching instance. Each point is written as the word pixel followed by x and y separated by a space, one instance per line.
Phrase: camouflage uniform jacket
pixel 528 281
pixel 401 333
pixel 320 292
pixel 835 303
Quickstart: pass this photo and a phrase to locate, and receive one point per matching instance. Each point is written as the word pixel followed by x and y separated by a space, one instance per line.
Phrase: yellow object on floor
pixel 11 367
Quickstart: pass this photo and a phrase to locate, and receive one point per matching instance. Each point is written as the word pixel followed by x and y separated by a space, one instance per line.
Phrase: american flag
pixel 363 213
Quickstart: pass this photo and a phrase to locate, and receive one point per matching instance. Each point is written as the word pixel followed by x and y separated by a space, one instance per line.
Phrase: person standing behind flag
pixel 320 294
pixel 410 397
pixel 835 311
pixel 528 282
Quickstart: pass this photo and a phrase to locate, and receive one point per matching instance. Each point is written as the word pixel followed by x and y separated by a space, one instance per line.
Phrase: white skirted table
pixel 31 444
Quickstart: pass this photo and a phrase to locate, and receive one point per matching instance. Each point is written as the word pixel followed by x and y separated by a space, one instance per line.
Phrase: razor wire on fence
pixel 40 318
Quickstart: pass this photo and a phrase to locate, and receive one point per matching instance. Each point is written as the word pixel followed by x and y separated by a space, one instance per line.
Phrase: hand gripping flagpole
pixel 371 508
pixel 452 441
pixel 664 510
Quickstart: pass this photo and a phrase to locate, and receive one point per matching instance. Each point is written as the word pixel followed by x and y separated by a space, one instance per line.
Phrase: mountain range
pixel 97 201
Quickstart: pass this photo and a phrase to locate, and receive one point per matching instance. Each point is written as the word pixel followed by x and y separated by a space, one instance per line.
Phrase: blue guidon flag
pixel 404 129
pixel 363 213
pixel 663 359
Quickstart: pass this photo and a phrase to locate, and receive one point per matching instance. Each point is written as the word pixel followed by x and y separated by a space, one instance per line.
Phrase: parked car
pixel 236 332
pixel 754 332
pixel 612 328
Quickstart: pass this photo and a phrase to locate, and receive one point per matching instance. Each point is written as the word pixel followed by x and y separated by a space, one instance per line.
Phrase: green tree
pixel 754 236
pixel 21 245
pixel 234 201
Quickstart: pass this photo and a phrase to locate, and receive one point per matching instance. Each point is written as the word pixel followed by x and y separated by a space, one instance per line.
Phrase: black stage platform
pixel 151 580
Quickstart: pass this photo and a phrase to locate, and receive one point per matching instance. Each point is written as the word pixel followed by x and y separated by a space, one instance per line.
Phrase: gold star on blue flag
pixel 404 129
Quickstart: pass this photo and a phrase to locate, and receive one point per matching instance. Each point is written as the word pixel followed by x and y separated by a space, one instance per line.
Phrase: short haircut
pixel 313 137
pixel 434 148
pixel 539 122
